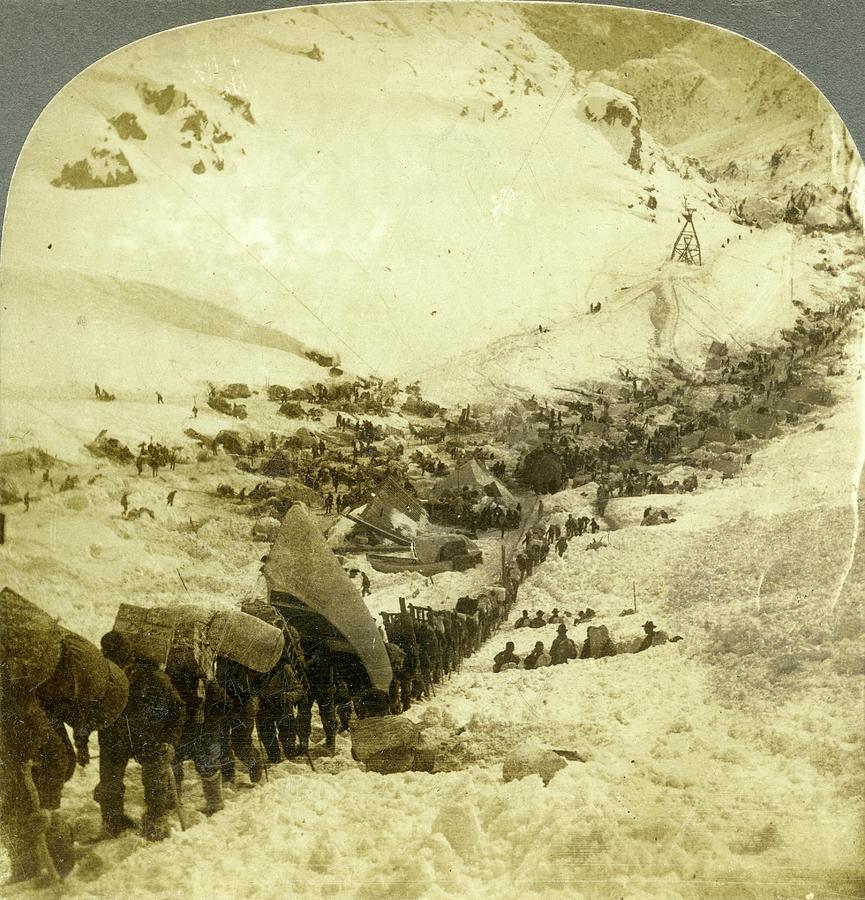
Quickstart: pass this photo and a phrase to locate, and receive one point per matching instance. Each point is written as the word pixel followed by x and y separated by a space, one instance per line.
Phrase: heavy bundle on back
pixel 30 641
pixel 178 634
pixel 85 688
pixel 193 636
pixel 311 590
pixel 82 673
pixel 467 605
pixel 149 632
pixel 245 639
pixel 190 645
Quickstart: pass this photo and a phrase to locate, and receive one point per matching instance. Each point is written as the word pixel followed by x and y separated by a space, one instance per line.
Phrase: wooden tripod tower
pixel 687 246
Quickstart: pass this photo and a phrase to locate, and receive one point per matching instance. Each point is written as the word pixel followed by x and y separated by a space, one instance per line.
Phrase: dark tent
pixel 232 441
pixel 474 475
pixel 543 471
pixel 279 465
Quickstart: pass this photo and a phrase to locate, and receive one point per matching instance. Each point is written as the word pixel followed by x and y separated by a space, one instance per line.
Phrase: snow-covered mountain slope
pixel 650 312
pixel 401 183
pixel 402 186
pixel 746 114
pixel 179 340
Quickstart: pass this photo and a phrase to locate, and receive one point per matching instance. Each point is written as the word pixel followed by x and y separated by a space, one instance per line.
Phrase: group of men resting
pixel 538 620
pixel 597 644
pixel 561 650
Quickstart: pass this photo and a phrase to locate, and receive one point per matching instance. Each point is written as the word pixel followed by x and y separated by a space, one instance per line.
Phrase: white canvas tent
pixel 474 475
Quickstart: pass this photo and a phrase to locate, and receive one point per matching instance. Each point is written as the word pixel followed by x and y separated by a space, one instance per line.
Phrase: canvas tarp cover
pixel 301 564
pixel 472 474
pixel 716 435
pixel 179 632
pixel 392 507
pixel 280 465
pixel 245 639
pixel 30 642
pixel 438 548
pixel 232 441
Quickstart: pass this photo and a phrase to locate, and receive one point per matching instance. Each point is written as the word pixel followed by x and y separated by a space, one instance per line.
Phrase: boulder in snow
pixel 266 529
pixel 390 744
pixel 760 212
pixel 526 761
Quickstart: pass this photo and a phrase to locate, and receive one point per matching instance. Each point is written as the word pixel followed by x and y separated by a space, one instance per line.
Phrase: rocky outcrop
pixel 822 208
pixel 127 127
pixel 239 105
pixel 617 117
pixel 527 761
pixel 759 212
pixel 169 113
pixel 199 132
pixel 101 169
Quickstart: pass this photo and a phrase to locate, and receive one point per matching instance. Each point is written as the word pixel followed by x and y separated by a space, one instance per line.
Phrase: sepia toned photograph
pixel 431 439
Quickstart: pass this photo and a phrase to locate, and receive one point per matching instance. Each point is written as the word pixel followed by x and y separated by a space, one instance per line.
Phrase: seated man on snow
pixel 598 643
pixel 506 659
pixel 538 620
pixel 655 638
pixel 538 658
pixel 523 620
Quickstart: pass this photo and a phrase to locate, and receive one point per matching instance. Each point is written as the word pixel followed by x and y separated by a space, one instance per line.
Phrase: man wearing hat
pixel 653 638
pixel 506 659
pixel 538 658
pixel 554 618
pixel 538 620
pixel 563 648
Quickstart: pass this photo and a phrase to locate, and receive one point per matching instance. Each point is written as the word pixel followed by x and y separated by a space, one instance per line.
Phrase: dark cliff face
pixel 744 117
pixel 594 38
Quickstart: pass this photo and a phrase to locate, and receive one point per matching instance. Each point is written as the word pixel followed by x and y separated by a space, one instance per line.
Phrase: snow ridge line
pixel 858 472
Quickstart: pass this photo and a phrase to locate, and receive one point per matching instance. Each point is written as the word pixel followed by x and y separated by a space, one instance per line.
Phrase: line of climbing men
pixel 427 645
pixel 157 713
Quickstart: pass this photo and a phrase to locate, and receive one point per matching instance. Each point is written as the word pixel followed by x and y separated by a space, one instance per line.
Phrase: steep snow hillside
pixel 650 313
pixel 395 185
pixel 93 316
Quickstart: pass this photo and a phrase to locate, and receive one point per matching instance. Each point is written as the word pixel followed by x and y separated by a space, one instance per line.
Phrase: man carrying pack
pixel 147 731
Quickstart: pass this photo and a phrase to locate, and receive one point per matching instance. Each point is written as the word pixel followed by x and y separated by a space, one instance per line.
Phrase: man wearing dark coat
pixel 506 657
pixel 147 731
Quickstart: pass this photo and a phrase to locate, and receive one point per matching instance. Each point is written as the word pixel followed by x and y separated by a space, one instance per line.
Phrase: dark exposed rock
pixel 126 125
